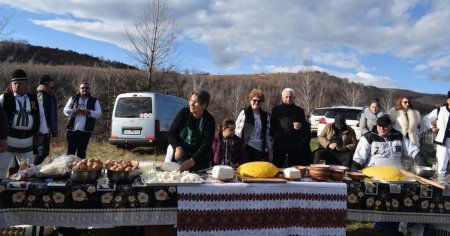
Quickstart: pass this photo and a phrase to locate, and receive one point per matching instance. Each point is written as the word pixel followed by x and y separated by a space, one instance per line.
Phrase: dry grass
pixel 105 151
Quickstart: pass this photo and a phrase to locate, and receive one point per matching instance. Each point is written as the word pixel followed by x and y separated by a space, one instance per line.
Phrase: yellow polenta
pixel 258 169
pixel 386 173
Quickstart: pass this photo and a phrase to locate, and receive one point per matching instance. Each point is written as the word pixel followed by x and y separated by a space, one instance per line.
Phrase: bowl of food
pixel 319 172
pixel 122 176
pixel 337 174
pixel 339 167
pixel 84 176
pixel 356 176
pixel 424 171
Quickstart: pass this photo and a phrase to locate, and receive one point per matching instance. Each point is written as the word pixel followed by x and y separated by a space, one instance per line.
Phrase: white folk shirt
pixel 27 142
pixel 80 120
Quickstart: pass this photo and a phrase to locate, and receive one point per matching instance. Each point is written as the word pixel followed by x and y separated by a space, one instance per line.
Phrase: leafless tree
pixel 4 22
pixel 352 95
pixel 153 39
pixel 388 99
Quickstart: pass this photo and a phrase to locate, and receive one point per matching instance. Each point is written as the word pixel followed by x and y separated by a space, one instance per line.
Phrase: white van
pixel 143 119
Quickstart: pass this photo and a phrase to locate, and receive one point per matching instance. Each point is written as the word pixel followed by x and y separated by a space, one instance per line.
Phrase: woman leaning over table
pixel 369 116
pixel 405 119
pixel 252 126
pixel 191 133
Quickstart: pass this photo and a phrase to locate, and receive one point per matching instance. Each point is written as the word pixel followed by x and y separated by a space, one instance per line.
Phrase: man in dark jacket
pixel 45 93
pixel 291 131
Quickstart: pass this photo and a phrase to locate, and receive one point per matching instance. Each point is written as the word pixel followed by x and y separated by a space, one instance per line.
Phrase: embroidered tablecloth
pixel 293 208
pixel 401 202
pixel 83 205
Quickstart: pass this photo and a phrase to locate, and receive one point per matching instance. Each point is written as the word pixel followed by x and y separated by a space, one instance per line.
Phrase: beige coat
pixel 407 124
pixel 348 138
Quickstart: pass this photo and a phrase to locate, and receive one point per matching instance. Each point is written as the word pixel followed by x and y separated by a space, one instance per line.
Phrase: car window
pixel 320 111
pixel 349 114
pixel 133 107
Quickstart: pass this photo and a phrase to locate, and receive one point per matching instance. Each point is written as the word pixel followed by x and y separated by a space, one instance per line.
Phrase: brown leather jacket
pixel 348 138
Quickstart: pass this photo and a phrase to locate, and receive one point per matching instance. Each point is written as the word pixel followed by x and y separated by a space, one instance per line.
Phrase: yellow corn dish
pixel 258 169
pixel 386 173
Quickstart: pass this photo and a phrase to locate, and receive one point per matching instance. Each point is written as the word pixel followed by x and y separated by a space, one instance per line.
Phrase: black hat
pixel 448 94
pixel 339 121
pixel 384 121
pixel 45 79
pixel 18 75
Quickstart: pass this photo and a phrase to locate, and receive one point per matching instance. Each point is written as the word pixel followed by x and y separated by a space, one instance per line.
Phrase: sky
pixel 389 44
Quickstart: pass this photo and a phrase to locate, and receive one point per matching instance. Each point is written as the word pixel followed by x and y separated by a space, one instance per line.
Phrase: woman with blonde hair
pixel 405 119
pixel 253 126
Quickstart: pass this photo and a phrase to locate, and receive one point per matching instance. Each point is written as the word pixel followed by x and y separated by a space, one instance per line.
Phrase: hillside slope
pixel 22 52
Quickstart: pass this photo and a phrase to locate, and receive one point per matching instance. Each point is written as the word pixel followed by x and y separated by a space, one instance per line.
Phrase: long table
pixel 286 208
pixel 85 205
pixel 398 202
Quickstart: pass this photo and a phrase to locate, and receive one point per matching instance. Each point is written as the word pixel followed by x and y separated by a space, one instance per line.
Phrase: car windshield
pixel 349 114
pixel 133 107
pixel 320 111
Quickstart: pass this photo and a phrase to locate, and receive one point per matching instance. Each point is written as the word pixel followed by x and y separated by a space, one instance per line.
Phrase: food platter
pixel 145 180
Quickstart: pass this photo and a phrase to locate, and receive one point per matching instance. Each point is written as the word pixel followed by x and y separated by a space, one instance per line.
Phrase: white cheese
pixel 291 173
pixel 222 172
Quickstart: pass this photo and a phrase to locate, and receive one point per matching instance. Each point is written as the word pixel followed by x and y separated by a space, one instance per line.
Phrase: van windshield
pixel 133 107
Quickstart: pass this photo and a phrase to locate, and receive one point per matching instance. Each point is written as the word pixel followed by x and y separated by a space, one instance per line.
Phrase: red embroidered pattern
pixel 260 197
pixel 248 219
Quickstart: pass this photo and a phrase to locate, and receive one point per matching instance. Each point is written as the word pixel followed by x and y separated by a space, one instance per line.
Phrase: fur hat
pixel 18 75
pixel 45 79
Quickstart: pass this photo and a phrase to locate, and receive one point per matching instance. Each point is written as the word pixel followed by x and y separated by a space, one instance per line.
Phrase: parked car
pixel 143 119
pixel 315 116
pixel 351 114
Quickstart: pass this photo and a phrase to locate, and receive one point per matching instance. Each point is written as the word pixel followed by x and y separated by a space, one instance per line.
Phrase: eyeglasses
pixel 406 102
pixel 84 88
pixel 257 101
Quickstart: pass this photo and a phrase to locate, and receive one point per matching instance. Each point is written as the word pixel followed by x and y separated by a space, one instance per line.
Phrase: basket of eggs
pixel 122 171
pixel 87 170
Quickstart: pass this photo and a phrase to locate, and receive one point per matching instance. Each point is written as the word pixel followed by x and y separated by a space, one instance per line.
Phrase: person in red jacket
pixel 228 148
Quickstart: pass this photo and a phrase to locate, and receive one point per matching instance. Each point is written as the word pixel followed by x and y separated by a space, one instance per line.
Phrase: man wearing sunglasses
pixel 82 110
pixel 45 91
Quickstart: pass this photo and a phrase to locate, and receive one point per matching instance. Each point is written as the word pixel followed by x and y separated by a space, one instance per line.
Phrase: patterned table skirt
pixel 303 208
